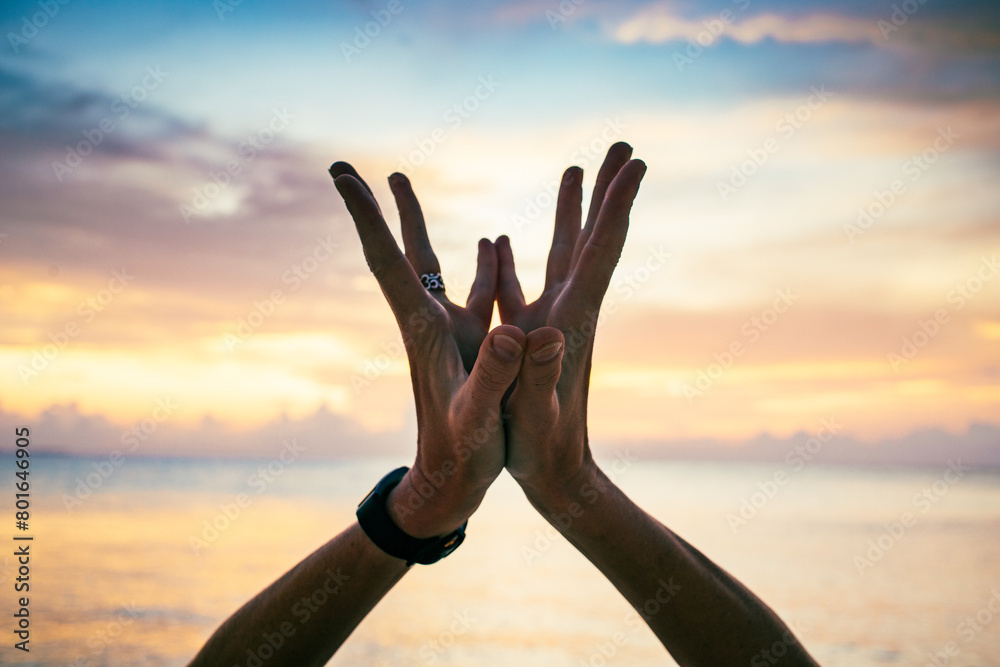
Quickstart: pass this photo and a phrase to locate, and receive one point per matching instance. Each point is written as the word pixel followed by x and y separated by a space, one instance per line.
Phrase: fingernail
pixel 506 347
pixel 547 352
pixel 338 168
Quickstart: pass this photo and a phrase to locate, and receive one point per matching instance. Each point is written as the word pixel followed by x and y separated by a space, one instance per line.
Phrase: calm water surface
pixel 117 580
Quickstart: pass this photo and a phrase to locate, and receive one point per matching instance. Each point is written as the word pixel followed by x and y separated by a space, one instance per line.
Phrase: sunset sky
pixel 821 197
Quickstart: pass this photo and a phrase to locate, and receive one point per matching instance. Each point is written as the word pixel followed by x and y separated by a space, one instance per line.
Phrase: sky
pixel 816 240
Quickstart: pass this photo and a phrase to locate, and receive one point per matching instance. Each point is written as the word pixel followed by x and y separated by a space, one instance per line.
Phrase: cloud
pixel 63 429
pixel 121 205
pixel 327 436
pixel 660 22
pixel 978 445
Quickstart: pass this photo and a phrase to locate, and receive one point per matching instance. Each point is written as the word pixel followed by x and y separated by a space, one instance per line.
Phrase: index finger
pixel 618 155
pixel 399 283
pixel 599 257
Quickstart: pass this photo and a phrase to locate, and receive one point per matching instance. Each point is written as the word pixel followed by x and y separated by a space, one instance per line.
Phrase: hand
pixel 547 431
pixel 459 371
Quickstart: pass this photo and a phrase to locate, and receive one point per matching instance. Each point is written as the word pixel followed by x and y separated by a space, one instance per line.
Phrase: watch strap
pixel 373 517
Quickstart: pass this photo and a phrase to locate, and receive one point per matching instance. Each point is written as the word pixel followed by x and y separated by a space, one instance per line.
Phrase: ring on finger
pixel 432 282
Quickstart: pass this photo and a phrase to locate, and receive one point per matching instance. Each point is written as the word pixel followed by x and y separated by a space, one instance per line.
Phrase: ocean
pixel 137 563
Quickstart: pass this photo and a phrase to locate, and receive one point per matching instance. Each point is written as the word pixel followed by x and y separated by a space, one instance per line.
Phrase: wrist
pixel 420 509
pixel 375 521
pixel 556 496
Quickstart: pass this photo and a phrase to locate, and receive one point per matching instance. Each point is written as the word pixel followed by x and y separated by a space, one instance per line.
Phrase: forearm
pixel 311 609
pixel 701 614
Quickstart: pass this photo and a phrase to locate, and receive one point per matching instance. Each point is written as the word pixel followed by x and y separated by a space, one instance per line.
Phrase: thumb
pixel 534 397
pixel 496 367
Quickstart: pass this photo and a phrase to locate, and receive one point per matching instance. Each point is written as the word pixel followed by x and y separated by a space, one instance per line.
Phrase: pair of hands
pixel 461 372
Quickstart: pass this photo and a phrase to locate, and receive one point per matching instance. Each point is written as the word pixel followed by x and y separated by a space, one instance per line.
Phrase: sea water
pixel 869 566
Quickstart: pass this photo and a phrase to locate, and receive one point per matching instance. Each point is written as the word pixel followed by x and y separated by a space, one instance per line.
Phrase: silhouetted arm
pixel 701 614
pixel 459 373
pixel 304 617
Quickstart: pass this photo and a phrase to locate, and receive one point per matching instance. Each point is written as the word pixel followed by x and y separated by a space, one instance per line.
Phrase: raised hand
pixel 459 371
pixel 547 431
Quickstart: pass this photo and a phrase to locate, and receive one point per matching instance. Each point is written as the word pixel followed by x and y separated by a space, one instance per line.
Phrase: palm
pixel 578 271
pixel 469 329
pixel 458 369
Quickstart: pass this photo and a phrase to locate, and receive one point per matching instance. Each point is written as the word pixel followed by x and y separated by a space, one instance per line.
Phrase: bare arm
pixel 304 617
pixel 701 614
pixel 459 373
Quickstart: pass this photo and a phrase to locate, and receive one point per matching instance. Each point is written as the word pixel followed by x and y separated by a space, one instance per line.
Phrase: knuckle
pixel 547 379
pixel 490 378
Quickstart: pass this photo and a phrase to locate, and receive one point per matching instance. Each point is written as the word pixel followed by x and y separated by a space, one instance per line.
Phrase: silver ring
pixel 432 282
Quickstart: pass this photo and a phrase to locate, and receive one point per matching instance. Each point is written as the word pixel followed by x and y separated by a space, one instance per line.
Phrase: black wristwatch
pixel 373 517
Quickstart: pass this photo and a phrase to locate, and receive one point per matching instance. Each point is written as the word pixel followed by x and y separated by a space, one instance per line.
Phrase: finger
pixel 534 397
pixel 600 255
pixel 534 405
pixel 617 156
pixel 416 244
pixel 341 168
pixel 393 272
pixel 484 286
pixel 496 367
pixel 568 211
pixel 510 298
